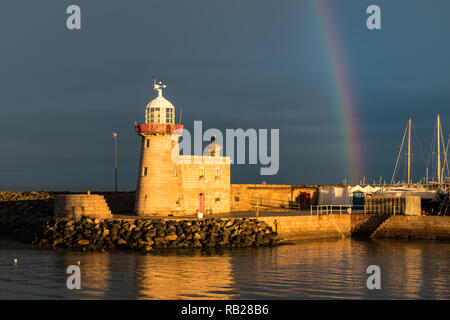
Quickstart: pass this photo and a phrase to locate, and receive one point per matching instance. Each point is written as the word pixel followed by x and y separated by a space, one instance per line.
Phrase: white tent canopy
pixel 366 189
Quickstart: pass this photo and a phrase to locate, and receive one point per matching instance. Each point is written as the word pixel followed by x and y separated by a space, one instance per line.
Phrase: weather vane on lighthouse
pixel 158 87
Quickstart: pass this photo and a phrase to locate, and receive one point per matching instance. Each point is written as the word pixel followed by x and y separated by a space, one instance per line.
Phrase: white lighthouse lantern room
pixel 159 110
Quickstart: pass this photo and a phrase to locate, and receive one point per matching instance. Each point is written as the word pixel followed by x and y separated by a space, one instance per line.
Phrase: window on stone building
pixel 145 171
pixel 175 171
pixel 202 172
pixel 147 143
pixel 217 198
pixel 152 115
pixel 169 115
pixel 217 172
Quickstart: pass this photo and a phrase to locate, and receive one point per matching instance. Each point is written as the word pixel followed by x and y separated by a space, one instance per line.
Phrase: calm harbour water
pixel 310 270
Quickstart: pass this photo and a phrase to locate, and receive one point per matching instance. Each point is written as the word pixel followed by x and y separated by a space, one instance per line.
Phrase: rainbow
pixel 344 107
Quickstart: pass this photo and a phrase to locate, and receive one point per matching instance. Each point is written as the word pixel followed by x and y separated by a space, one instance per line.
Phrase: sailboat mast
pixel 409 150
pixel 439 148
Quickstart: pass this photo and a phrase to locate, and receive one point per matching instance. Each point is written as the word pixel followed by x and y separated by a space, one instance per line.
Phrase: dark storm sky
pixel 232 64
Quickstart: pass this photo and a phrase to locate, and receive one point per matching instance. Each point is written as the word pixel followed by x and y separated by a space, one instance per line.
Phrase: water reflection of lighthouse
pixel 184 277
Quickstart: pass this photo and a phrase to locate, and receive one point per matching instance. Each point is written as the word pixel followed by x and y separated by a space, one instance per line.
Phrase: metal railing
pixel 340 209
pixel 330 209
pixel 379 210
pixel 261 204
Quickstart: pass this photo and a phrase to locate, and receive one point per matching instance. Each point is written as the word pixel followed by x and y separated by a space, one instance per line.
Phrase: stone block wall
pixel 120 202
pixel 363 225
pixel 171 184
pixel 245 196
pixel 158 186
pixel 207 175
pixel 415 227
pixel 295 228
pixel 78 205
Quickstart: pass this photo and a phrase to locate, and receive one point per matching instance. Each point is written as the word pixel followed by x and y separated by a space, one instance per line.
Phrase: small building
pixel 335 195
pixel 358 194
pixel 172 184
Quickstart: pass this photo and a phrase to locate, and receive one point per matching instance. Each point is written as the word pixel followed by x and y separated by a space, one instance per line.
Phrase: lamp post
pixel 115 158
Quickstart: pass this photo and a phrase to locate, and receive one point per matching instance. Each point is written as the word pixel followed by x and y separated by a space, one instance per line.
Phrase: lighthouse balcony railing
pixel 149 128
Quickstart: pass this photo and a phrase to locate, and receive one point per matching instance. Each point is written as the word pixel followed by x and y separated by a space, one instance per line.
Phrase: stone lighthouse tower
pixel 158 185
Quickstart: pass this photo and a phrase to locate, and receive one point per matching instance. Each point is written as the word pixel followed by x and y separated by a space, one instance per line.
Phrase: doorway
pixel 201 205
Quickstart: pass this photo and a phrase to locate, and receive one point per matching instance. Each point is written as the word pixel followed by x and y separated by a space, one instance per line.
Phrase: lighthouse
pixel 172 184
pixel 157 184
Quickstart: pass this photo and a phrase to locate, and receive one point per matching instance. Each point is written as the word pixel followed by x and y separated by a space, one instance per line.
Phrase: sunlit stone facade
pixel 172 184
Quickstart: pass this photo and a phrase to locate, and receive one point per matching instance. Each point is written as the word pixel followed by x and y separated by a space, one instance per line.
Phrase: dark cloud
pixel 232 64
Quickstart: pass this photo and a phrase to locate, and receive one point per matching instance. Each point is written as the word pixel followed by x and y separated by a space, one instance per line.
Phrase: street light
pixel 115 157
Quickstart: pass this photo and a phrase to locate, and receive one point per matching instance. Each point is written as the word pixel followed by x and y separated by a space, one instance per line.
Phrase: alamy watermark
pixel 252 147
pixel 73 21
pixel 374 280
pixel 373 22
pixel 74 280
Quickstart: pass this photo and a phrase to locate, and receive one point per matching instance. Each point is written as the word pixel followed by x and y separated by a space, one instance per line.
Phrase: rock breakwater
pixel 22 212
pixel 145 235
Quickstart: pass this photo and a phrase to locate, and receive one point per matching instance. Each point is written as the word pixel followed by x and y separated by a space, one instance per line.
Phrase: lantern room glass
pixel 159 115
